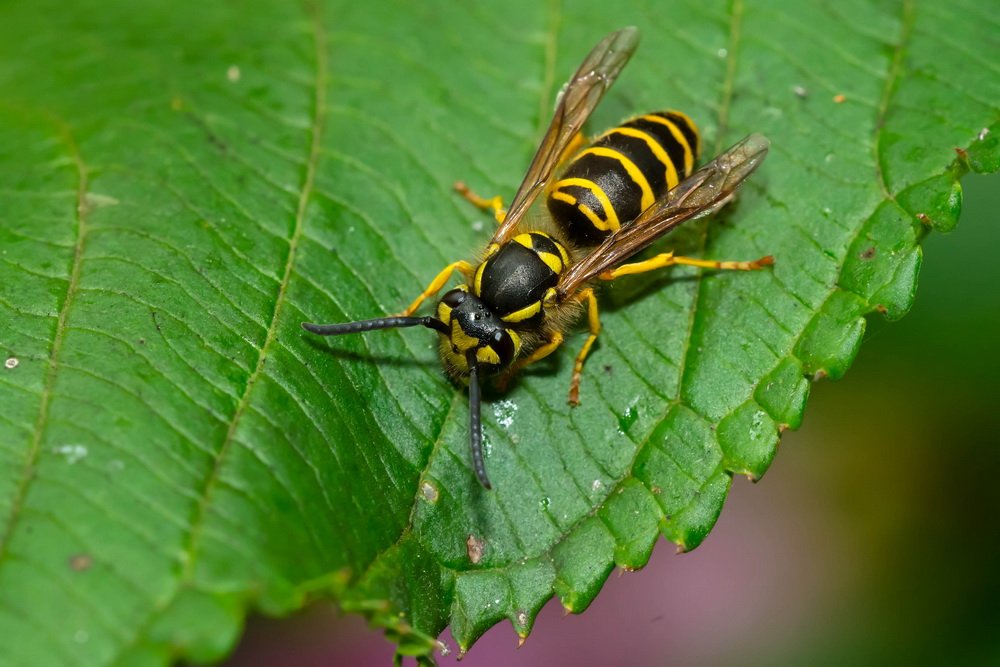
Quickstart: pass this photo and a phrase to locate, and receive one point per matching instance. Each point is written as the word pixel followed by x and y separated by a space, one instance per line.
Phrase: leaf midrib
pixel 197 523
pixel 52 364
pixel 315 130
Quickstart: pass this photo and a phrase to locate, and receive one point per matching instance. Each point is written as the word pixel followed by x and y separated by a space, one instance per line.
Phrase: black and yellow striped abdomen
pixel 626 169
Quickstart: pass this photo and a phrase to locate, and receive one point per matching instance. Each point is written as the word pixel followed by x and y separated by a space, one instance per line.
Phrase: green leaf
pixel 181 184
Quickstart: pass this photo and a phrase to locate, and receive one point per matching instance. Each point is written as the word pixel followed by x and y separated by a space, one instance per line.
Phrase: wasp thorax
pixel 474 328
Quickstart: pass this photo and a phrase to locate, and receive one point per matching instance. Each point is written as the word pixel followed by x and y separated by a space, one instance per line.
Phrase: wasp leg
pixel 594 323
pixel 669 259
pixel 494 204
pixel 554 341
pixel 439 281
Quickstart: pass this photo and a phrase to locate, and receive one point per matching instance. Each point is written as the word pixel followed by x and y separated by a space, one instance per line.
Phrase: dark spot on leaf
pixel 218 143
pixel 869 253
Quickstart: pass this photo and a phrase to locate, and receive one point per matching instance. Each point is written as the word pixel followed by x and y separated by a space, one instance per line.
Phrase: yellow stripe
pixel 523 239
pixel 654 145
pixel 551 261
pixel 679 136
pixel 444 312
pixel 516 340
pixel 564 196
pixel 478 282
pixel 612 222
pixel 594 219
pixel 590 215
pixel 562 252
pixel 524 313
pixel 633 171
pixel 487 355
pixel 461 339
pixel 694 128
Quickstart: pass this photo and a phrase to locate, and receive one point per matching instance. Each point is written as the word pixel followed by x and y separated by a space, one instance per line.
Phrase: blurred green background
pixel 872 539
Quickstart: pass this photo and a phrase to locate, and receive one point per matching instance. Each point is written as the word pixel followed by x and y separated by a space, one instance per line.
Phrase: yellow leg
pixel 594 322
pixel 494 204
pixel 540 353
pixel 439 281
pixel 669 259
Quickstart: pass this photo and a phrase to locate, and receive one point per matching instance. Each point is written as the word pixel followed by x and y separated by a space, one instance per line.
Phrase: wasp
pixel 606 202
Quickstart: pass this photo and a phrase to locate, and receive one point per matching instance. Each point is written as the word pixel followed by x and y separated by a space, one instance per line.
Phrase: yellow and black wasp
pixel 611 200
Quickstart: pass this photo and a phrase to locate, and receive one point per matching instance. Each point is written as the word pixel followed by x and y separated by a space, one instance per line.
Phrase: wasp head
pixel 473 328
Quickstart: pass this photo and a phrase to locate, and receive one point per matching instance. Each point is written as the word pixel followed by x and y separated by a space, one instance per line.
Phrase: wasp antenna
pixel 475 422
pixel 371 325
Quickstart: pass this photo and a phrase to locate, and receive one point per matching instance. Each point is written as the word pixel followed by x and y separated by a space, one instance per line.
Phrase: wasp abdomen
pixel 622 173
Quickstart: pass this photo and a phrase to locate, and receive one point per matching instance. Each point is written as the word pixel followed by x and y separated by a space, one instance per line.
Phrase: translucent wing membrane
pixel 576 102
pixel 702 193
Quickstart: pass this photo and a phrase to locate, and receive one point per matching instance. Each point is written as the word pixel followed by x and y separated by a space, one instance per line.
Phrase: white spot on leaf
pixel 756 425
pixel 94 200
pixel 504 412
pixel 429 492
pixel 11 363
pixel 72 453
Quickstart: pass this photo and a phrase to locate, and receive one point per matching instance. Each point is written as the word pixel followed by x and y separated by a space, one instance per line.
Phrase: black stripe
pixel 666 139
pixel 639 152
pixel 686 128
pixel 542 243
pixel 575 225
pixel 585 197
pixel 610 176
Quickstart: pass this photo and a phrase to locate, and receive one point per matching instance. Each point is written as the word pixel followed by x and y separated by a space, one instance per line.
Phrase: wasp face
pixel 473 327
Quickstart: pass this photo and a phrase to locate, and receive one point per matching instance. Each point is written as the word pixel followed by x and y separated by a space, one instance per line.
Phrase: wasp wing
pixel 701 194
pixel 577 100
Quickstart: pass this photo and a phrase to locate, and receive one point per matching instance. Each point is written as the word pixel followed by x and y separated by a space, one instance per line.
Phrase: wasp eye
pixel 503 345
